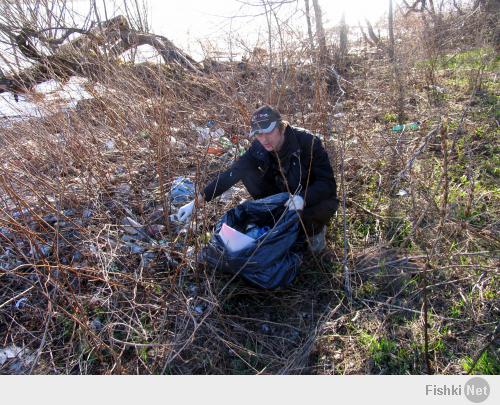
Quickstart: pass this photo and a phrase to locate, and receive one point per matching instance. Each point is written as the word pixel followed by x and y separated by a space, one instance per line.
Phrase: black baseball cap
pixel 264 120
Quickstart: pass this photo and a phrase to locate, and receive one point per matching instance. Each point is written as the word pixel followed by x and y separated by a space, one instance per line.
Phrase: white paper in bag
pixel 233 239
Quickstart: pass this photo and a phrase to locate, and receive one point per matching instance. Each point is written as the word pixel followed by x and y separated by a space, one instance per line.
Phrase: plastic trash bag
pixel 182 191
pixel 271 261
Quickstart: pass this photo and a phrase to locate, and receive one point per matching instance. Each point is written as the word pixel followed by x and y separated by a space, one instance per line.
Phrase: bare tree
pixel 309 30
pixel 343 39
pixel 391 32
pixel 320 33
pixel 45 43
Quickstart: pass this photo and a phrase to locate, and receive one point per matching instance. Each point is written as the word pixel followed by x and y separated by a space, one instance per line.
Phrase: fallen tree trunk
pixel 87 55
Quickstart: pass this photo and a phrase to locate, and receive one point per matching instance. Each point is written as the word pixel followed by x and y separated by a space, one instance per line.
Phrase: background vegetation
pixel 94 279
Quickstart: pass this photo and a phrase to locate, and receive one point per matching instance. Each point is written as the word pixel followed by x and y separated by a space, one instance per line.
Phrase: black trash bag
pixel 271 261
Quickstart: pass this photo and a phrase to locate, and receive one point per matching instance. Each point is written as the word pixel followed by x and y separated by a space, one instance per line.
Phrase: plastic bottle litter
pixel 411 126
pixel 182 191
pixel 225 142
pixel 214 150
pixel 256 231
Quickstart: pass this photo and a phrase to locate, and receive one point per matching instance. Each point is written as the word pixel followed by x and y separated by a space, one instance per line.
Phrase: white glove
pixel 185 212
pixel 295 203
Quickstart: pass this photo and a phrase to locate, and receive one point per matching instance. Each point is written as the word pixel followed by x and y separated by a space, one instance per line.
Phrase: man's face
pixel 272 141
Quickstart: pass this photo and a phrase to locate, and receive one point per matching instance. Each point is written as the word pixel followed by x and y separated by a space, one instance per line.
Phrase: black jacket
pixel 300 152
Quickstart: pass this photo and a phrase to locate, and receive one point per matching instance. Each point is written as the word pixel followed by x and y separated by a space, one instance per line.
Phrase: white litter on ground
pixel 44 99
pixel 21 358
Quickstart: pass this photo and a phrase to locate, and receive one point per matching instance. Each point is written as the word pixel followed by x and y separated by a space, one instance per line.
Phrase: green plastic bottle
pixel 411 126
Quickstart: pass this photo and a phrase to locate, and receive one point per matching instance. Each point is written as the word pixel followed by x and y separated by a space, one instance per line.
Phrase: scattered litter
pixel 87 214
pixel 20 358
pixel 438 89
pixel 225 142
pixel 6 233
pixel 199 309
pixel 203 133
pixel 265 328
pixel 206 133
pixel 219 133
pixel 192 289
pixel 110 145
pixel 42 250
pixel 147 258
pixel 21 303
pixel 190 252
pixel 227 196
pixel 182 191
pixel 76 257
pixel 411 126
pixel 155 229
pixel 22 213
pixel 96 324
pixel 50 218
pixel 131 226
pixel 123 188
pixel 136 249
pixel 215 150
pixel 129 238
pixel 402 193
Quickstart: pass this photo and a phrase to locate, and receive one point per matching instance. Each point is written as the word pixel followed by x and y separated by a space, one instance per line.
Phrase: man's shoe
pixel 317 243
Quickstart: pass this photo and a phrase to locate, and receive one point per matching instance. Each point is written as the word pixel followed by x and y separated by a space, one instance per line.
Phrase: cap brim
pixel 256 131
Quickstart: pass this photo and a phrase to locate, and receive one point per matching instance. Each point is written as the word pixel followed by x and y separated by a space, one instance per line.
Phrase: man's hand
pixel 295 203
pixel 185 212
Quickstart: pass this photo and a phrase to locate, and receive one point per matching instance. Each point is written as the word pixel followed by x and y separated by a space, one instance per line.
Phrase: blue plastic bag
pixel 271 262
pixel 257 231
pixel 182 191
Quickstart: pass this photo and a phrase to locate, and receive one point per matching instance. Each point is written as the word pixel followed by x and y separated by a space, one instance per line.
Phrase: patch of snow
pixel 46 98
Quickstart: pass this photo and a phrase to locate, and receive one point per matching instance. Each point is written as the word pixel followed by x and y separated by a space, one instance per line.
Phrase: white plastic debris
pixel 227 196
pixel 402 193
pixel 21 303
pixel 205 133
pixel 199 309
pixel 265 328
pixel 233 239
pixel 110 145
pixel 219 133
pixel 96 325
pixel 24 358
pixel 131 226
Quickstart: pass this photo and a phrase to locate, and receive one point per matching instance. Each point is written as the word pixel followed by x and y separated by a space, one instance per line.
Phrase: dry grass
pixel 93 306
